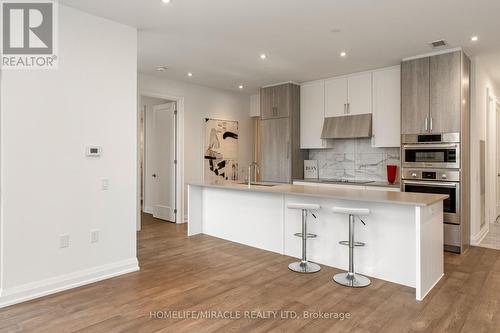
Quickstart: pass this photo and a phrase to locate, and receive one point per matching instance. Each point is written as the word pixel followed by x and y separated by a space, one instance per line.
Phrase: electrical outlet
pixel 94 236
pixel 63 241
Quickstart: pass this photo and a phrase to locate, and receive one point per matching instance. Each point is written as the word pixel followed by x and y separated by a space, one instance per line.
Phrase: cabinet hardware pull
pixel 345 108
pixel 431 124
pixel 426 124
pixel 348 108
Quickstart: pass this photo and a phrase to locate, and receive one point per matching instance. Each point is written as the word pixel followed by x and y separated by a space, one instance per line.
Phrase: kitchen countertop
pixel 400 198
pixel 329 181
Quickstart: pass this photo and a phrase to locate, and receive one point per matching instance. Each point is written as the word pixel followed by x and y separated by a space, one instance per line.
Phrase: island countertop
pixel 400 198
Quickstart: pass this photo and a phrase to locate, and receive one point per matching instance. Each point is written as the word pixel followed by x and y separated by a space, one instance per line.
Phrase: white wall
pixel 49 187
pixel 479 120
pixel 202 102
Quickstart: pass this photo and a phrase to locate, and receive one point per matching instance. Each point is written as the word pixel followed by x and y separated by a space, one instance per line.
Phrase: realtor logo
pixel 28 34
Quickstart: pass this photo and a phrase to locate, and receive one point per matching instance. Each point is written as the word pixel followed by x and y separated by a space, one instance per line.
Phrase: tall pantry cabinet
pixel 281 157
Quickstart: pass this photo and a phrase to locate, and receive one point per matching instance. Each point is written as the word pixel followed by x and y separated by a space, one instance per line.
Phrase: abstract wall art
pixel 221 150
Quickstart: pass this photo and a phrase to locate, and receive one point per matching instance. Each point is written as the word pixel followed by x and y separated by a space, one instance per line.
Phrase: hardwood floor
pixel 204 273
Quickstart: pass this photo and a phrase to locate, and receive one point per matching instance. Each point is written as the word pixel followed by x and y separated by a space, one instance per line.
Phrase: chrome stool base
pixel 352 280
pixel 304 267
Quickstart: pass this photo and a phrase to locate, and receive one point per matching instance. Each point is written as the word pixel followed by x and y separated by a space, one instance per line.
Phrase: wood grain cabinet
pixel 275 150
pixel 431 94
pixel 281 157
pixel 415 75
pixel 275 101
pixel 445 93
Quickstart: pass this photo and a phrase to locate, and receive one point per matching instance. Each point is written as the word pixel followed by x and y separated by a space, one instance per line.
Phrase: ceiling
pixel 220 41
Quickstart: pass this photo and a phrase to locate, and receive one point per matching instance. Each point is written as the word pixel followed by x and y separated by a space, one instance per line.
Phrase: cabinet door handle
pixel 431 124
pixel 426 124
pixel 348 108
pixel 345 108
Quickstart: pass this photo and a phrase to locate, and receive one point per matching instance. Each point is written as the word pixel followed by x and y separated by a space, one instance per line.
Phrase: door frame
pixel 497 163
pixel 180 202
pixel 491 159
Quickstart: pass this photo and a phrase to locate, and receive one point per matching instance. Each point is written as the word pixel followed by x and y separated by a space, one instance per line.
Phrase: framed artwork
pixel 221 150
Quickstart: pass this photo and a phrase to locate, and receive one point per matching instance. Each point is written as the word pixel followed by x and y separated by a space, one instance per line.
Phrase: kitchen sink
pixel 346 181
pixel 259 184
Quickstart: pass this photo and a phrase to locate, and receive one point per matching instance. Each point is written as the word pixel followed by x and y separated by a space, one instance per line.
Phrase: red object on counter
pixel 392 170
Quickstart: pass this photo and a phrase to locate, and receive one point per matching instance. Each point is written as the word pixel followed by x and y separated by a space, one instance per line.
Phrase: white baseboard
pixel 148 210
pixel 433 285
pixel 53 285
pixel 478 238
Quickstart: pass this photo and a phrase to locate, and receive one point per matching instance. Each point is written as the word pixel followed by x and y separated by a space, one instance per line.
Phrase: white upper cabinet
pixel 255 105
pixel 348 95
pixel 336 97
pixel 387 107
pixel 312 114
pixel 359 89
pixel 377 92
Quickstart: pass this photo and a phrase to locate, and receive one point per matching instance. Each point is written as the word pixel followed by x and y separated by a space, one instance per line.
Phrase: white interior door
pixel 164 169
pixel 497 161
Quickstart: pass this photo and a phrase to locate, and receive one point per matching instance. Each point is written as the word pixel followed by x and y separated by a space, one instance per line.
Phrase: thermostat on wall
pixel 94 151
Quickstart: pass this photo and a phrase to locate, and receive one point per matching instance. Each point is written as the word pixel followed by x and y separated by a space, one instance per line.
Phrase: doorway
pixel 492 204
pixel 158 159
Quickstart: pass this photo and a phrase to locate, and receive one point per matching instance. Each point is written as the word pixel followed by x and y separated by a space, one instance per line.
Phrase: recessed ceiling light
pixel 343 53
pixel 161 68
pixel 474 38
pixel 190 74
pixel 241 86
pixel 263 56
pixel 166 1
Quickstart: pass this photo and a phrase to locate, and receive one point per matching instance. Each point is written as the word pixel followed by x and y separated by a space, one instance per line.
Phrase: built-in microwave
pixel 431 151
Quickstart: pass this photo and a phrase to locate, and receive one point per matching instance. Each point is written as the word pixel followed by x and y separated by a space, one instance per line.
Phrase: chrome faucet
pixel 257 170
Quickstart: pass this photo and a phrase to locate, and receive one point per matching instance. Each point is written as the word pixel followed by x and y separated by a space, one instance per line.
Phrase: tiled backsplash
pixel 355 159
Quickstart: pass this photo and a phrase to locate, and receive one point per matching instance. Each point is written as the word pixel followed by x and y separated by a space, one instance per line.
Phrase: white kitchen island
pixel 403 233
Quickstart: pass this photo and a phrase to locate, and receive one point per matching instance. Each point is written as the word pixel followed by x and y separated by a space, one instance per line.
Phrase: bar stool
pixel 304 266
pixel 350 278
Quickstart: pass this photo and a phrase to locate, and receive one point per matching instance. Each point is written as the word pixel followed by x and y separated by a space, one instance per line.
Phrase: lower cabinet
pixel 350 186
pixel 275 150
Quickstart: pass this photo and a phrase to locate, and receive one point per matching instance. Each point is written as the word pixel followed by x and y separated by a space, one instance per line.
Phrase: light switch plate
pixel 93 151
pixel 63 241
pixel 94 236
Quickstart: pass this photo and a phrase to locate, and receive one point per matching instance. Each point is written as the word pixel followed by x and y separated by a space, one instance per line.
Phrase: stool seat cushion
pixel 303 206
pixel 351 211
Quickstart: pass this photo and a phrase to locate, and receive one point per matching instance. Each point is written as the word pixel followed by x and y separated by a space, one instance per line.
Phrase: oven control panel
pixel 436 175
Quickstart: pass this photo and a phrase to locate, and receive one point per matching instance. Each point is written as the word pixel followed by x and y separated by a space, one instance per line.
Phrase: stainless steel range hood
pixel 347 127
